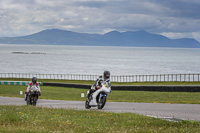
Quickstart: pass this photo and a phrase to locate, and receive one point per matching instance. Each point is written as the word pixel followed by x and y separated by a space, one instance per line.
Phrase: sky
pixel 172 18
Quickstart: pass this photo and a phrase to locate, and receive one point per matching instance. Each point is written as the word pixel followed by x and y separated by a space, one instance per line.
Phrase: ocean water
pixel 62 59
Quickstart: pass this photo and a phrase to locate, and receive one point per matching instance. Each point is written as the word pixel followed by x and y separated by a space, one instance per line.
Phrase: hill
pixel 113 38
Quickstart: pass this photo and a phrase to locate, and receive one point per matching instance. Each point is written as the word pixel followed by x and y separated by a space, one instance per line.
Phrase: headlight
pixel 106 86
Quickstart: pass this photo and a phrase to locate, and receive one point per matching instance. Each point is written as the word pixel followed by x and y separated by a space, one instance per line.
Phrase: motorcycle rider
pixel 34 82
pixel 98 83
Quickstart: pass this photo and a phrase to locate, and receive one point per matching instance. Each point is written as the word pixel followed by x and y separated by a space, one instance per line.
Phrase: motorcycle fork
pixel 101 95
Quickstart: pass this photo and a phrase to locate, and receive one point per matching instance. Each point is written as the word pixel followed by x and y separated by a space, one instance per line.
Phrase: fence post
pixel 180 77
pixel 160 78
pixel 136 78
pixel 189 77
pixel 168 77
pixel 156 78
pixel 129 78
pixel 193 77
pixel 164 77
pixel 184 77
pixel 149 78
pixel 133 78
pixel 176 77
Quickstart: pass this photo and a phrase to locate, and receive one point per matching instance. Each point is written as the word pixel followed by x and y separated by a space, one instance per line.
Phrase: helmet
pixel 106 74
pixel 34 79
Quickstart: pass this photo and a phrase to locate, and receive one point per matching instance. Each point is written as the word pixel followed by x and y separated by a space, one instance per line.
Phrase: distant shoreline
pixel 139 38
pixel 27 53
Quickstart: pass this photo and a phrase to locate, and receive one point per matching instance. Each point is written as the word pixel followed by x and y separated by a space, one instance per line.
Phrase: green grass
pixel 74 94
pixel 91 82
pixel 25 119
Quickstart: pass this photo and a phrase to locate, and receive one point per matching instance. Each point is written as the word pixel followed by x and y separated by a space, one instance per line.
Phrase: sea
pixel 93 60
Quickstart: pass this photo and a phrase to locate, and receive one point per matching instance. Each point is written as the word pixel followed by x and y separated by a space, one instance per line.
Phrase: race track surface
pixel 159 110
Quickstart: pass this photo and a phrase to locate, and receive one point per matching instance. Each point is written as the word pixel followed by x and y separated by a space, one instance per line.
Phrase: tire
pixel 34 101
pixel 87 106
pixel 28 101
pixel 102 102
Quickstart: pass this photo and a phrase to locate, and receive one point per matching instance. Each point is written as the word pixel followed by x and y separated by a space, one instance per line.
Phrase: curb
pixel 16 82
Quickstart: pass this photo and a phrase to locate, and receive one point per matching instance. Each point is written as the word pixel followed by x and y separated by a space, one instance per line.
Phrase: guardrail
pixel 114 78
pixel 164 88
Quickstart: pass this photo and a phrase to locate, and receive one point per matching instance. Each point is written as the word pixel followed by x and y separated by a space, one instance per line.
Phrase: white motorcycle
pixel 98 98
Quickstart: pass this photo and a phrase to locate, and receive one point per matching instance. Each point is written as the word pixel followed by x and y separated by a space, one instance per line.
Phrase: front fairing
pixel 33 92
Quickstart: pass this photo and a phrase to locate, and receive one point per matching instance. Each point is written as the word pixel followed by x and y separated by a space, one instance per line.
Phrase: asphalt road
pixel 159 110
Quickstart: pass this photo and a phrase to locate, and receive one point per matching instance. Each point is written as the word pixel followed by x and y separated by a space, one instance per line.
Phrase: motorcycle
pixel 33 95
pixel 98 98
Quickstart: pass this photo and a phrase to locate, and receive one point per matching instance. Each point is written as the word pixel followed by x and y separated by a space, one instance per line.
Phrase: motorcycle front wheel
pixel 102 102
pixel 28 101
pixel 34 101
pixel 87 106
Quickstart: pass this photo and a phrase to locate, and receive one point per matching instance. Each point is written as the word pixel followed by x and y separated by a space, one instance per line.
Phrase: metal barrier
pixel 164 88
pixel 113 78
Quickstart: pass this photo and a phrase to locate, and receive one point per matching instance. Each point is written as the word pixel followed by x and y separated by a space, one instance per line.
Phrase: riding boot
pixel 25 98
pixel 26 94
pixel 90 92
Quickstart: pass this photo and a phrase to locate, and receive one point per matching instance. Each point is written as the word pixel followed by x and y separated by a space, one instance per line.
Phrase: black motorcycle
pixel 33 95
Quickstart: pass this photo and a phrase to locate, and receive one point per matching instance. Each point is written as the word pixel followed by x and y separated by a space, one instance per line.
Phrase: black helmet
pixel 106 74
pixel 34 79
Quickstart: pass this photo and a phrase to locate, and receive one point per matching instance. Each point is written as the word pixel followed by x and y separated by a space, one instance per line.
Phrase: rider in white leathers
pixel 98 83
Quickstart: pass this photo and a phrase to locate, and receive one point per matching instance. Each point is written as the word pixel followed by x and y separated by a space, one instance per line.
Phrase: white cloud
pixel 24 17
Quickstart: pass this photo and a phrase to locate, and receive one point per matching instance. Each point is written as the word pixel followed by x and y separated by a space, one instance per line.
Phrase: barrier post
pixel 193 77
pixel 189 77
pixel 136 78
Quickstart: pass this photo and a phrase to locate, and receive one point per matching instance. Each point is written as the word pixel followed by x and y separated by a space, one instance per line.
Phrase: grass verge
pixel 74 94
pixel 37 119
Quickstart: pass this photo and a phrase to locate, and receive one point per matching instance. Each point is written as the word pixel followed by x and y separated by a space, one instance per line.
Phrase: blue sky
pixel 172 18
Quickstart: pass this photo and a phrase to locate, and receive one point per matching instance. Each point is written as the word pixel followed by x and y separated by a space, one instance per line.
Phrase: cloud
pixel 181 8
pixel 24 17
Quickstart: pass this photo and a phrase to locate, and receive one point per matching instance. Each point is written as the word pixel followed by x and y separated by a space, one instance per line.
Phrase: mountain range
pixel 113 38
